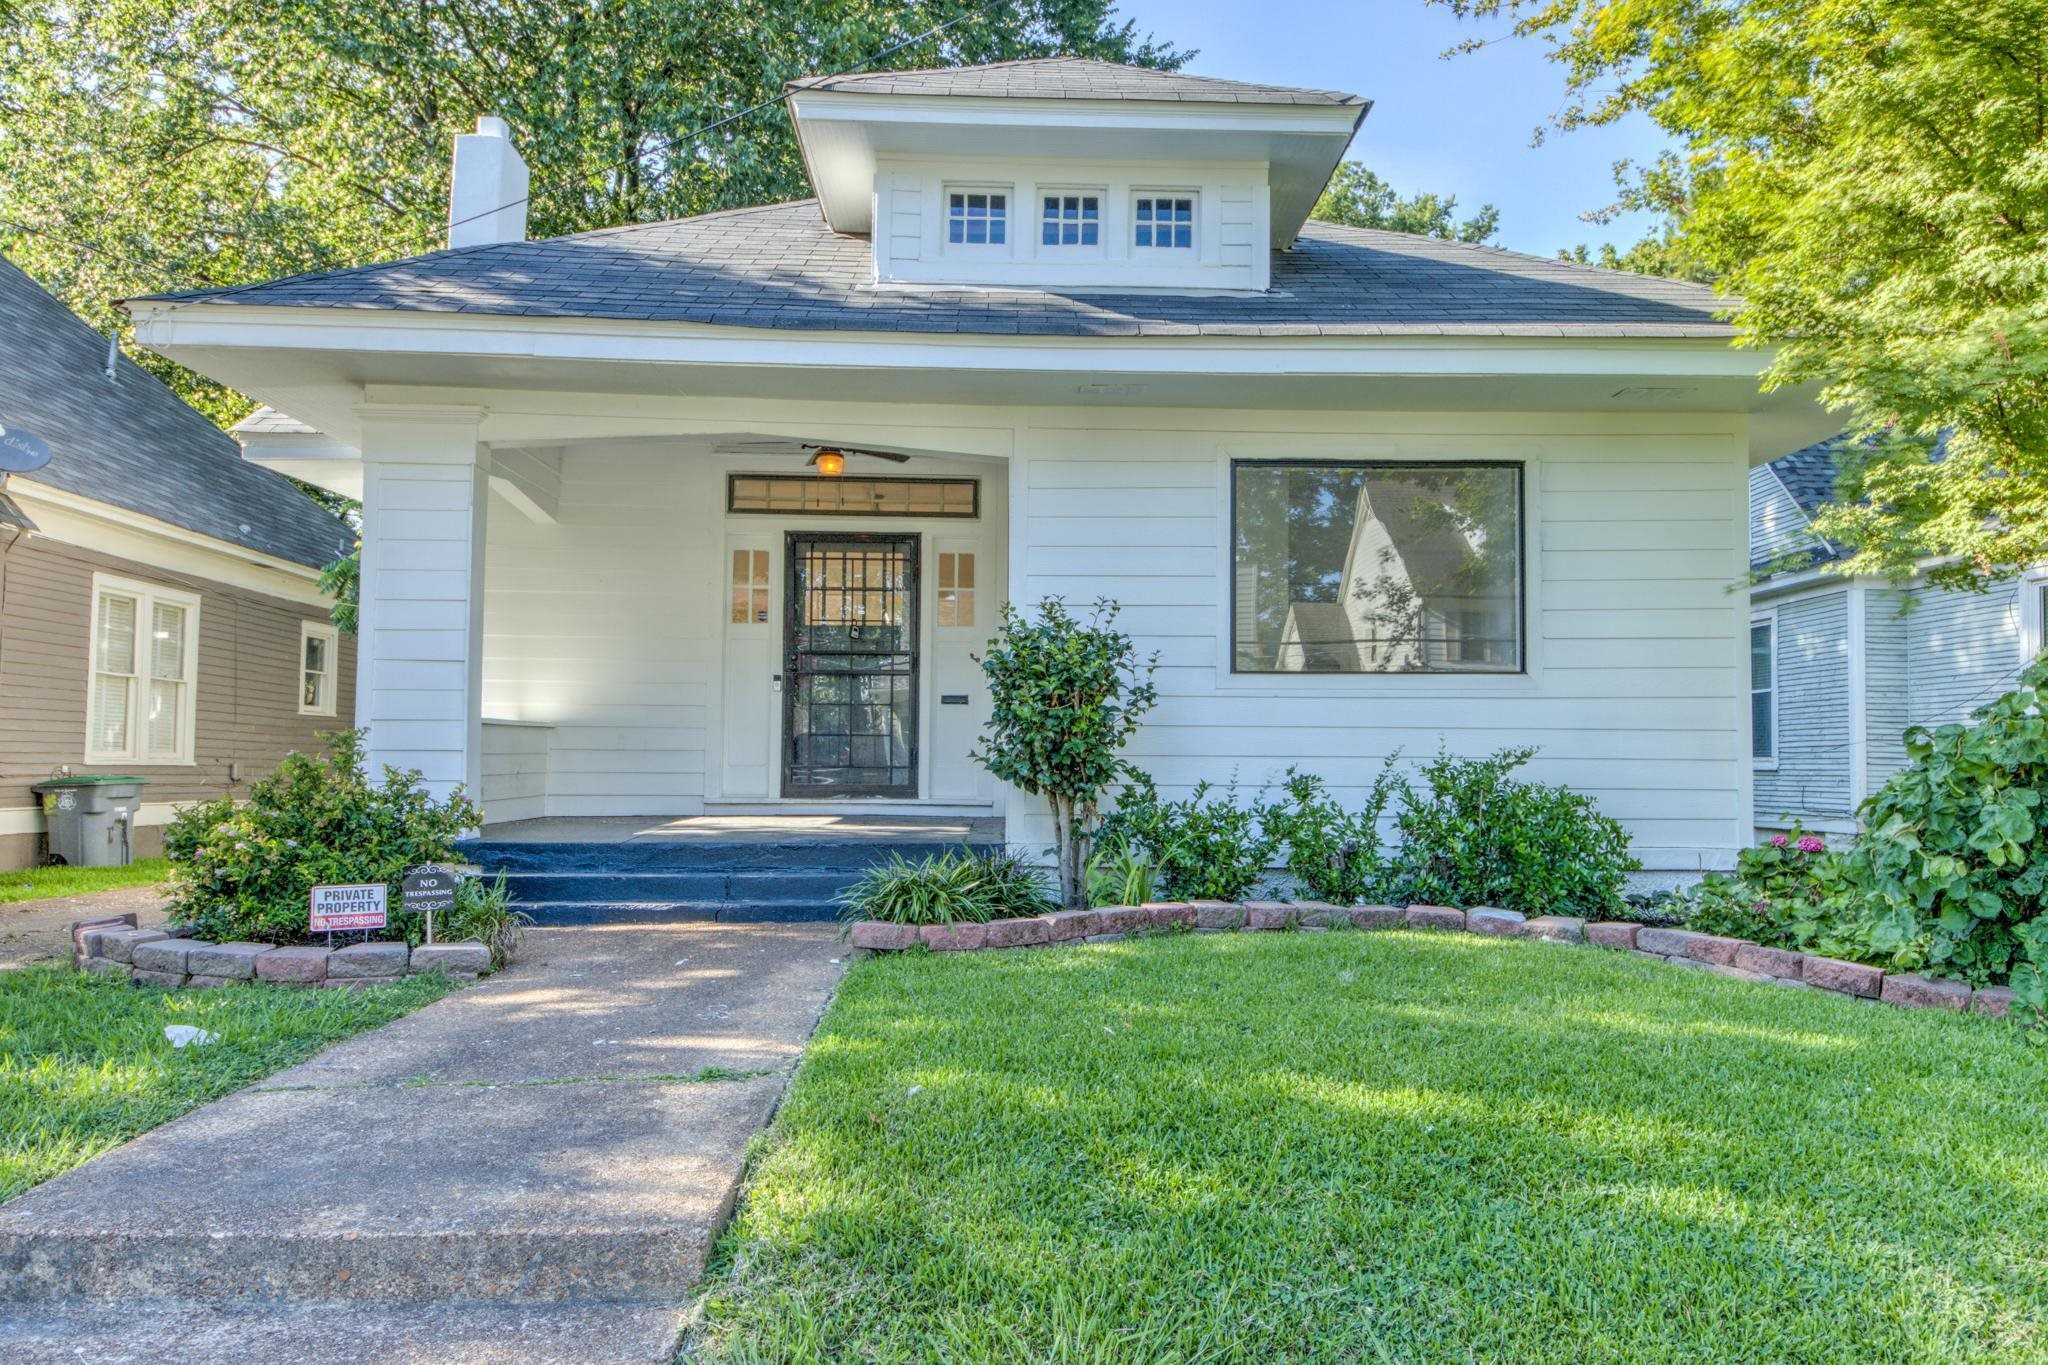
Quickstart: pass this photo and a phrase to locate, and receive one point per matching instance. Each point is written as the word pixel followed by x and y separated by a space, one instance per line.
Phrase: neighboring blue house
pixel 1839 667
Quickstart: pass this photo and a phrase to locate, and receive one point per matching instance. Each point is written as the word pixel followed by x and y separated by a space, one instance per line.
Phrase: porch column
pixel 419 660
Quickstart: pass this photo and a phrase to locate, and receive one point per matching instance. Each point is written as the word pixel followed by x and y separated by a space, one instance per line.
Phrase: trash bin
pixel 91 819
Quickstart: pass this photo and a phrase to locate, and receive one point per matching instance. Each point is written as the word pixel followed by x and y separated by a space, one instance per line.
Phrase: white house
pixel 712 515
pixel 1841 666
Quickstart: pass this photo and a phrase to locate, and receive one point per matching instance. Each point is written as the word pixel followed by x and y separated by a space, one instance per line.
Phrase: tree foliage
pixel 1356 197
pixel 1869 178
pixel 150 145
pixel 1066 696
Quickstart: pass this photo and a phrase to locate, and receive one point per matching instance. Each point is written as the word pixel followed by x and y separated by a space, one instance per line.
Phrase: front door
pixel 850 666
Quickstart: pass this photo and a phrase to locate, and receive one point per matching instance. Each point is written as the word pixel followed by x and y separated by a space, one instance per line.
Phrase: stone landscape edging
pixel 1723 956
pixel 113 946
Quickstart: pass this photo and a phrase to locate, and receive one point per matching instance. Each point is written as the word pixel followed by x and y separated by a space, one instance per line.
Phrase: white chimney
pixel 487 195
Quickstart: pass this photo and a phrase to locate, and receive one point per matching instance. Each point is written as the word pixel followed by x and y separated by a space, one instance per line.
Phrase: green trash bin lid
pixel 89 780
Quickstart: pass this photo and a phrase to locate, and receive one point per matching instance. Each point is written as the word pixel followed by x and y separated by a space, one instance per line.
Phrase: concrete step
pixel 760 884
pixel 672 912
pixel 181 1332
pixel 512 856
pixel 363 1194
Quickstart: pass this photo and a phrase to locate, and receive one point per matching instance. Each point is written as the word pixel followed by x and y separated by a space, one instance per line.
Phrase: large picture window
pixel 1359 567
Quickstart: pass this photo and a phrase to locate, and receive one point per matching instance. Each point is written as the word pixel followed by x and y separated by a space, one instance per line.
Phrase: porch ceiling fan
pixel 831 460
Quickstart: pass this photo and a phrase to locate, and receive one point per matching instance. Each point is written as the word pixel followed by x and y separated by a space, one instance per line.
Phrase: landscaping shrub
pixel 246 872
pixel 957 886
pixel 483 913
pixel 1208 847
pixel 1474 835
pixel 1121 874
pixel 1065 696
pixel 1951 877
pixel 1779 895
pixel 1335 854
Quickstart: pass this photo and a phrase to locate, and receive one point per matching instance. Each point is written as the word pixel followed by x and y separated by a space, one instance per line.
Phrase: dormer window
pixel 1070 219
pixel 977 217
pixel 1163 221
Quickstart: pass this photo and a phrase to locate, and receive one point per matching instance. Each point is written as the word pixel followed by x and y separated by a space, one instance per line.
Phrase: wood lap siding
pixel 1812 776
pixel 247 688
pixel 1633 536
pixel 1964 650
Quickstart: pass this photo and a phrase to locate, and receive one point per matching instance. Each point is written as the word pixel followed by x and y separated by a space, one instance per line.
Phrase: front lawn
pixel 1395 1146
pixel 39 883
pixel 84 1064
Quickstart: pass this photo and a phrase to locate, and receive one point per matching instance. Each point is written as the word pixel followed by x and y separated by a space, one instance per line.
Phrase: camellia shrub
pixel 1065 696
pixel 1338 855
pixel 1951 876
pixel 1211 846
pixel 246 872
pixel 1475 835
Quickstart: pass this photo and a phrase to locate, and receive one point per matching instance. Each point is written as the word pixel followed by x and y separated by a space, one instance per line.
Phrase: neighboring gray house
pixel 1840 667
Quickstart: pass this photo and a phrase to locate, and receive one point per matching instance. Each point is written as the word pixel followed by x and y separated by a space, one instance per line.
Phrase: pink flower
pixel 1779 841
pixel 1811 843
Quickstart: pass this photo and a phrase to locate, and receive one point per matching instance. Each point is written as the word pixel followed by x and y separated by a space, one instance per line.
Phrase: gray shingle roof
pixel 131 442
pixel 1070 78
pixel 781 267
pixel 1809 474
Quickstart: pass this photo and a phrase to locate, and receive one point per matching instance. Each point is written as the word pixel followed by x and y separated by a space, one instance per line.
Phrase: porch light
pixel 831 463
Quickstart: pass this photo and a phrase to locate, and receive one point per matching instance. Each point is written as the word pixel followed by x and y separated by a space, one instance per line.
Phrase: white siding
pixel 1963 649
pixel 515 765
pixel 1777 526
pixel 1811 778
pixel 1232 212
pixel 1634 535
pixel 1888 688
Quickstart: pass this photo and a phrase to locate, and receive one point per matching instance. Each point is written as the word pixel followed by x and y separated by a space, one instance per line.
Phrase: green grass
pixel 84 1064
pixel 37 883
pixel 1386 1147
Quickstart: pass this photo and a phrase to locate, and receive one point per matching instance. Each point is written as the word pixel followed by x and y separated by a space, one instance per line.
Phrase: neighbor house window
pixel 1364 567
pixel 1163 220
pixel 956 589
pixel 145 662
pixel 1070 220
pixel 1763 689
pixel 977 217
pixel 318 645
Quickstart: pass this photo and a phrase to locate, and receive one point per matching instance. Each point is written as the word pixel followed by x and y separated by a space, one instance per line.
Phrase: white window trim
pixel 330 692
pixel 1192 251
pixel 147 596
pixel 2033 629
pixel 1760 762
pixel 1098 193
pixel 1003 248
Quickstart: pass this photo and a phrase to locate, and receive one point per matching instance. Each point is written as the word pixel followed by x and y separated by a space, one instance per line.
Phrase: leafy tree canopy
pixel 1869 179
pixel 148 145
pixel 1358 198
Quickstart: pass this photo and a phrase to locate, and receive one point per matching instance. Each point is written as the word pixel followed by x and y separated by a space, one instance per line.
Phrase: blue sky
pixel 1461 126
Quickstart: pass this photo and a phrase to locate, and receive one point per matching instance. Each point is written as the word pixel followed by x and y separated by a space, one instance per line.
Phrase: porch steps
pixel 651 881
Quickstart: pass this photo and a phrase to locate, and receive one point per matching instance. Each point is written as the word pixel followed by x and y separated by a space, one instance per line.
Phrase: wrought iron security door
pixel 850 666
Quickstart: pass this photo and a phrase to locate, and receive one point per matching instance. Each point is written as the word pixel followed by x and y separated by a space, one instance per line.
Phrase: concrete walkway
pixel 533 1169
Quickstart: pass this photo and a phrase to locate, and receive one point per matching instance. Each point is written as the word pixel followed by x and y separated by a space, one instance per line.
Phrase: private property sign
pixel 349 907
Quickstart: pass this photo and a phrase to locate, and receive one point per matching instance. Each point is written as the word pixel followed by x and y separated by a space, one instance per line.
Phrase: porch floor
pixel 750 829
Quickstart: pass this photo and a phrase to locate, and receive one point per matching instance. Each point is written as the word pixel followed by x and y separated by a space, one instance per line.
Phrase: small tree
pixel 1067 695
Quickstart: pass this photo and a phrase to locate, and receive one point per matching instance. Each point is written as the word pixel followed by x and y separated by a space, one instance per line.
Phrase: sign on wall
pixel 337 908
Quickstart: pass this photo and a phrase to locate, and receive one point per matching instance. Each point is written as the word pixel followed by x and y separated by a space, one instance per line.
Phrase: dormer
pixel 1069 174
